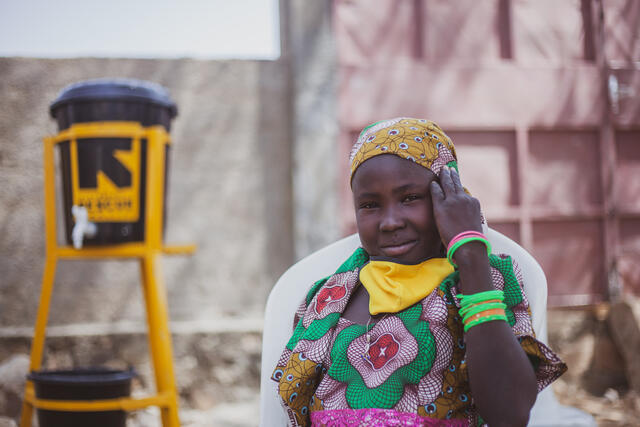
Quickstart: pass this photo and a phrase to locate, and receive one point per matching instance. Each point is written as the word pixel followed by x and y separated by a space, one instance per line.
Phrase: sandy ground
pixel 612 409
pixel 236 414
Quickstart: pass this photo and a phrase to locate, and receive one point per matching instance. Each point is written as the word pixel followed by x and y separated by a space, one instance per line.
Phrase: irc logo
pixel 106 178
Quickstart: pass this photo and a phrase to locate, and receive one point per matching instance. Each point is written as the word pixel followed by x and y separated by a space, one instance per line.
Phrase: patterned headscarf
pixel 418 140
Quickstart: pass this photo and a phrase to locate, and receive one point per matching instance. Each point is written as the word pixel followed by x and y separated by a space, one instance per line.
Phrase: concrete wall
pixel 229 192
pixel 312 52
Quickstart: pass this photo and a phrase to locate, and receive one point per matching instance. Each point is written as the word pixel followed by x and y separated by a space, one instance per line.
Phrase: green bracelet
pixel 461 242
pixel 480 308
pixel 476 308
pixel 466 300
pixel 484 320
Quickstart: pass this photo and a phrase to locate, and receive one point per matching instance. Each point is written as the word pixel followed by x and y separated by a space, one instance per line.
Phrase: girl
pixel 422 325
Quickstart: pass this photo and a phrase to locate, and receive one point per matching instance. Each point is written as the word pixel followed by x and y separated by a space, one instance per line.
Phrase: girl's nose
pixel 391 220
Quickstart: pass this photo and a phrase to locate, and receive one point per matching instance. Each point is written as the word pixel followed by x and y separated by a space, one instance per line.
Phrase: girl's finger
pixel 446 183
pixel 455 178
pixel 436 192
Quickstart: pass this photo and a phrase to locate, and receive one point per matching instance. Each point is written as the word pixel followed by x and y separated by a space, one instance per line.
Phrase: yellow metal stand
pixel 147 252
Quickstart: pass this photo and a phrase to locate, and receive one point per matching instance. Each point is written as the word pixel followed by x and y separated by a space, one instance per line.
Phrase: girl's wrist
pixel 473 264
pixel 471 253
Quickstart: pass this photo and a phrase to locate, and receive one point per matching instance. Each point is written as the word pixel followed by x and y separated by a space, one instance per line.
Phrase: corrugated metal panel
pixel 622 26
pixel 521 86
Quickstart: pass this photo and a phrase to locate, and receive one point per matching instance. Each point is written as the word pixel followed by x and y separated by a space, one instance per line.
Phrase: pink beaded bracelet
pixel 461 239
pixel 462 235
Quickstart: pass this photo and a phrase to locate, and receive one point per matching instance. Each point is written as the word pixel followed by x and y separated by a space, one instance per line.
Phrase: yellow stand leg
pixel 37 344
pixel 27 408
pixel 159 336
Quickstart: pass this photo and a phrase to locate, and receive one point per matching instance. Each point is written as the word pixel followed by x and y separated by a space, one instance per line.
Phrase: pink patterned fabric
pixel 375 369
pixel 377 418
pixel 435 312
pixel 333 297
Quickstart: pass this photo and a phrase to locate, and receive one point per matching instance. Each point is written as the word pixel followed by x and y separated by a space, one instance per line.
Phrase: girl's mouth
pixel 397 250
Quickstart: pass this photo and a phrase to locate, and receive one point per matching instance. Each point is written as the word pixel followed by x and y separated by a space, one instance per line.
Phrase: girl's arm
pixel 502 380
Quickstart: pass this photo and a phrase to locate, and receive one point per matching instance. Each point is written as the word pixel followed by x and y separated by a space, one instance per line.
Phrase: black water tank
pixel 109 100
pixel 82 384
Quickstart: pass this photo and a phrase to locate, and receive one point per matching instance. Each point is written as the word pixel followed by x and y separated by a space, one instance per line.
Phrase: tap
pixel 83 226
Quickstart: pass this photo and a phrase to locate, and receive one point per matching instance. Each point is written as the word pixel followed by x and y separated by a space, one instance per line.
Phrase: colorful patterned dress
pixel 413 373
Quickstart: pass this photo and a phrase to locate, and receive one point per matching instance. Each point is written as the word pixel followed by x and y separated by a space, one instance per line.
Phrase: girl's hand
pixel 454 210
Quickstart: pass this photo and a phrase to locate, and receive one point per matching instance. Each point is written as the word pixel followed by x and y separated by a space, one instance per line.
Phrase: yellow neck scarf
pixel 393 287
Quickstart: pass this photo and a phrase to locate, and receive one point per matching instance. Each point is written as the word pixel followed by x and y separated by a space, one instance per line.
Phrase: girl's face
pixel 394 213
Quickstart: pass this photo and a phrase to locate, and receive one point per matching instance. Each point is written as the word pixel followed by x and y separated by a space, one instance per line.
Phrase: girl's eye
pixel 410 198
pixel 367 205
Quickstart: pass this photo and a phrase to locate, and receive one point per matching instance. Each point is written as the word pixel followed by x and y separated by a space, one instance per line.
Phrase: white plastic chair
pixel 294 284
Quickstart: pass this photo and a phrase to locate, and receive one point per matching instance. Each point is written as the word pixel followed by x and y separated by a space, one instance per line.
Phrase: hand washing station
pixel 113 144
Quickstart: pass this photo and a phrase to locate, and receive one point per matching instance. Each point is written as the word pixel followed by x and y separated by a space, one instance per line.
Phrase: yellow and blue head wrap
pixel 417 140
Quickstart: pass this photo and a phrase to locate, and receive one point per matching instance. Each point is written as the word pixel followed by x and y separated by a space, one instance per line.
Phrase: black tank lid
pixel 115 89
pixel 80 376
